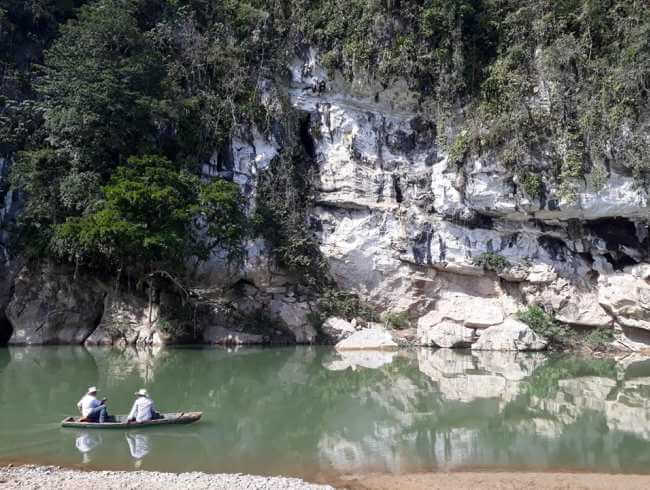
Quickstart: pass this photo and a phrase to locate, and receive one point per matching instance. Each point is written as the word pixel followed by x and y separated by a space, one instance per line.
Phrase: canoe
pixel 119 421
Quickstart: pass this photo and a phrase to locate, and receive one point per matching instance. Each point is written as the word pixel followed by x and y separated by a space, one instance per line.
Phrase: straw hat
pixel 141 392
pixel 92 389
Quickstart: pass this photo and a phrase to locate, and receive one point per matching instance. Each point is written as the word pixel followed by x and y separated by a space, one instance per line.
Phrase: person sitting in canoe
pixel 143 408
pixel 92 409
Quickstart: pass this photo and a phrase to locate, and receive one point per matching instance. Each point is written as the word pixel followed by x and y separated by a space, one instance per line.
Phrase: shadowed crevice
pixel 5 329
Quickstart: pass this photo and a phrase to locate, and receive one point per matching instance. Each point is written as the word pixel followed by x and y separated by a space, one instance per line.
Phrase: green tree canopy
pixel 154 216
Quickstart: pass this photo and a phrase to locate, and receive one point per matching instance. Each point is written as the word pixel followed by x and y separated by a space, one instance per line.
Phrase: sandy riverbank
pixel 496 481
pixel 51 477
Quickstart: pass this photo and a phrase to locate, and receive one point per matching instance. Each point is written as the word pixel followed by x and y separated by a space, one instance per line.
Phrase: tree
pixel 153 217
pixel 99 81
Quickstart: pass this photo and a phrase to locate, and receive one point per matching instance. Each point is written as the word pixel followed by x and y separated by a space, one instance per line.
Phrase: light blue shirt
pixel 143 409
pixel 87 403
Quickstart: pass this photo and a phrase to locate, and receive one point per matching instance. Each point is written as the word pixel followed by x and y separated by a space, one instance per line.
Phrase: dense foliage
pixel 90 90
pixel 154 216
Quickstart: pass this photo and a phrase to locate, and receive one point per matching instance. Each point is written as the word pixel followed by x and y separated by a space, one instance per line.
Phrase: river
pixel 309 411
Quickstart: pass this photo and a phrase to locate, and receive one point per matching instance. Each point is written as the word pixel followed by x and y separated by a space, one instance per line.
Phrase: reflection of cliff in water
pixel 301 410
pixel 497 408
pixel 44 372
pixel 117 364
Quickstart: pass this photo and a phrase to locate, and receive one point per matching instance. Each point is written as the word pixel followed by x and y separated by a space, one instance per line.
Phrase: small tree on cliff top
pixel 152 218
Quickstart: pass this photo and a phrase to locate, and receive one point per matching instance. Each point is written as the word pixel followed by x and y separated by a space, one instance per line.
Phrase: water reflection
pixel 87 442
pixel 307 410
pixel 139 447
pixel 354 359
pixel 468 376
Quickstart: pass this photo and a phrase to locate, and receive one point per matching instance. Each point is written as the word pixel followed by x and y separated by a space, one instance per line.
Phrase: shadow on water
pixel 4 358
pixel 304 410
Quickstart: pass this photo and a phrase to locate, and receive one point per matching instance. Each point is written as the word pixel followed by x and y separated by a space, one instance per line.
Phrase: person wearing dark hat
pixel 143 407
pixel 92 409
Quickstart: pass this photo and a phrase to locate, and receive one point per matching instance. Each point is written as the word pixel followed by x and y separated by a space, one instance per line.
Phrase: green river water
pixel 308 411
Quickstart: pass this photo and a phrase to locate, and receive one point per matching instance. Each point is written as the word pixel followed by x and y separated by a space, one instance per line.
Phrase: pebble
pixel 49 477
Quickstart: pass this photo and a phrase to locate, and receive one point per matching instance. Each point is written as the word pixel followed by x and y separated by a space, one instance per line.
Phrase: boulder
pixel 470 311
pixel 368 338
pixel 570 303
pixel 626 296
pixel 337 329
pixel 295 316
pixel 445 334
pixel 541 274
pixel 514 273
pixel 512 335
pixel 50 306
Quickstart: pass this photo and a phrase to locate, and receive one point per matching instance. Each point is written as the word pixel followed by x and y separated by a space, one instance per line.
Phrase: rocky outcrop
pixel 368 338
pixel 626 296
pixel 337 329
pixel 10 264
pixel 512 335
pixel 295 316
pixel 50 306
pixel 402 224
pixel 128 320
pixel 444 334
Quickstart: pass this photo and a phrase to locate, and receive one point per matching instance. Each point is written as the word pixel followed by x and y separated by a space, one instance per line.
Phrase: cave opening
pixel 306 138
pixel 399 197
pixel 619 260
pixel 5 329
pixel 615 232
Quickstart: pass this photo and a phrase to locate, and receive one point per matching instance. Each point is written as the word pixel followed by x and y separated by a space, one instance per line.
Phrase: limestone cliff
pixel 404 225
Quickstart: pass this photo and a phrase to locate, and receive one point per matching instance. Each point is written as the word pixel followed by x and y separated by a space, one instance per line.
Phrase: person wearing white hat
pixel 143 407
pixel 92 409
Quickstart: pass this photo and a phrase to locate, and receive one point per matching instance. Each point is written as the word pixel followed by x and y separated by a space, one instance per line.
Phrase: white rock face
pixel 471 311
pixel 626 296
pixel 444 334
pixel 401 225
pixel 337 328
pixel 571 304
pixel 394 209
pixel 512 335
pixel 127 320
pixel 368 338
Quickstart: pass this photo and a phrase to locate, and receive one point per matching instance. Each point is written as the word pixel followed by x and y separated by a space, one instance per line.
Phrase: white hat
pixel 92 389
pixel 141 392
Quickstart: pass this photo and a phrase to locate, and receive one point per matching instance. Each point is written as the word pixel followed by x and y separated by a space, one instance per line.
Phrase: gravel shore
pixel 46 477
pixel 497 480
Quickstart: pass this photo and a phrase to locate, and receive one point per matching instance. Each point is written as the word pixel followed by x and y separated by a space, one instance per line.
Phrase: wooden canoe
pixel 119 421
